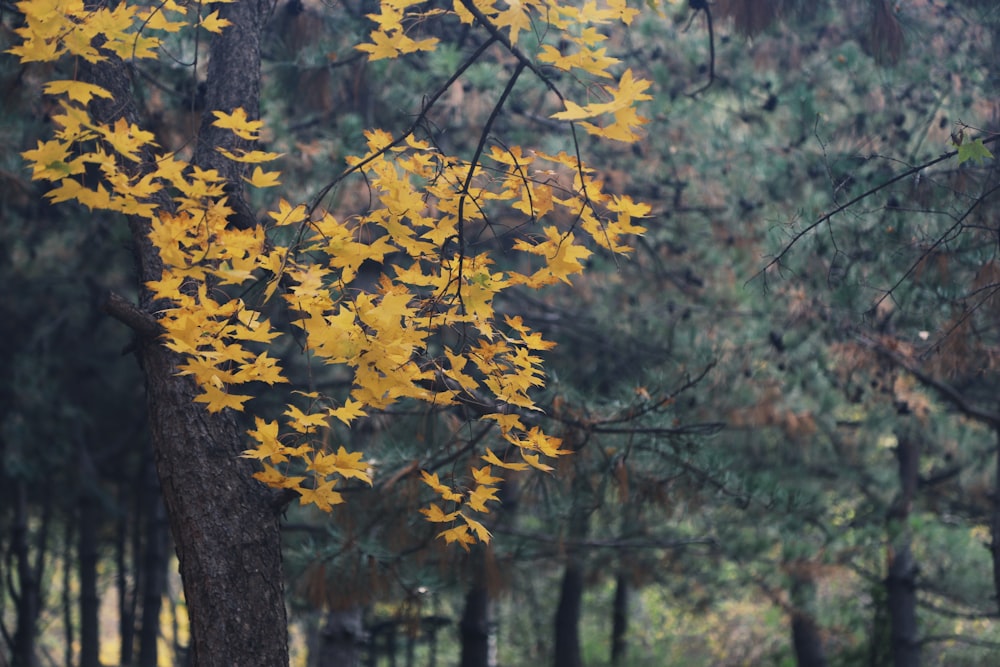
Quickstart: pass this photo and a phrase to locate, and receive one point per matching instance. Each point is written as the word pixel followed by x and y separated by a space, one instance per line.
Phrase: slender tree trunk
pixel 567 621
pixel 27 592
pixel 154 567
pixel 125 562
pixel 902 591
pixel 474 627
pixel 67 595
pixel 901 581
pixel 995 519
pixel 224 523
pixel 619 620
pixel 87 554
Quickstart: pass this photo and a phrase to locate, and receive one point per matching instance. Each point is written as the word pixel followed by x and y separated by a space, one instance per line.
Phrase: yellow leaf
pixel 435 514
pixel 302 422
pixel 217 399
pixel 77 90
pixel 483 476
pixel 323 496
pixel 480 496
pixel 213 23
pixel 350 411
pixel 458 534
pixel 480 530
pixel 263 179
pixel 490 457
pixel 286 215
pixel 441 489
pixel 239 123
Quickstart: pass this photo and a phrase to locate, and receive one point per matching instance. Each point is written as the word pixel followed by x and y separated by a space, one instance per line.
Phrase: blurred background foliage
pixel 774 421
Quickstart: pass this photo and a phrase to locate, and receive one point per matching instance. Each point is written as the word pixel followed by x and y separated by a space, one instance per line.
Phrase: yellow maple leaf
pixel 347 413
pixel 213 23
pixel 218 399
pixel 441 489
pixel 484 475
pixel 480 530
pixel 481 495
pixel 491 457
pixel 435 514
pixel 239 123
pixel 323 496
pixel 302 422
pixel 77 90
pixel 459 534
pixel 287 215
pixel 263 179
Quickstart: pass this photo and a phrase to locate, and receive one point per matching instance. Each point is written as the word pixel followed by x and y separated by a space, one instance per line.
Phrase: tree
pixel 213 280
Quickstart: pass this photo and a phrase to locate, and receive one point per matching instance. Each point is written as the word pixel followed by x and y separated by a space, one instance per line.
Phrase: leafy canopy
pixel 427 330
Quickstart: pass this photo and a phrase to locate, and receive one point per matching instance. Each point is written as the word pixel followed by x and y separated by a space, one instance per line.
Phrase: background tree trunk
pixel 619 620
pixel 87 554
pixel 806 638
pixel 154 568
pixel 474 628
pixel 901 581
pixel 567 621
pixel 341 638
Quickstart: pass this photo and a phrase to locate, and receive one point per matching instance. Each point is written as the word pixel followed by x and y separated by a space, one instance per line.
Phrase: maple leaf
pixel 484 475
pixel 239 123
pixel 459 534
pixel 218 399
pixel 480 496
pixel 441 489
pixel 287 215
pixel 491 457
pixel 79 91
pixel 263 179
pixel 435 514
pixel 480 530
pixel 350 411
pixel 349 464
pixel 323 496
pixel 213 23
pixel 304 423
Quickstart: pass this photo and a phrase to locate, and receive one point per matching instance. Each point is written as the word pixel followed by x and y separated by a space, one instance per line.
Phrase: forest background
pixel 783 425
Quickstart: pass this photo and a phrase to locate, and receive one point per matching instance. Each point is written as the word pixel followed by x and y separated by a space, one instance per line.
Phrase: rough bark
pixel 224 523
pixel 474 628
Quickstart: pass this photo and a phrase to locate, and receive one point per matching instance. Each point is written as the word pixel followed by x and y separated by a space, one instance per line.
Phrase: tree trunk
pixel 224 523
pixel 87 554
pixel 901 581
pixel 474 628
pixel 995 520
pixel 341 638
pixel 619 620
pixel 806 638
pixel 901 586
pixel 567 621
pixel 154 568
pixel 26 594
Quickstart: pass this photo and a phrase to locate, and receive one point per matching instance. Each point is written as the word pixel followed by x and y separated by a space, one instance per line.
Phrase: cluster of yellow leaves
pixel 424 209
pixel 575 26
